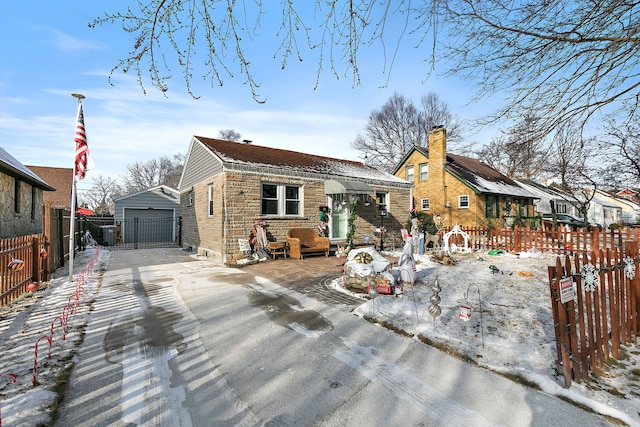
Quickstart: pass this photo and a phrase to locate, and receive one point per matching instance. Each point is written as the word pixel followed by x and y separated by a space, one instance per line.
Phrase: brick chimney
pixel 437 162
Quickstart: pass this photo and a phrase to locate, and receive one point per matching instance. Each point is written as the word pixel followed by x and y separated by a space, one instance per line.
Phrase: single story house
pixel 226 187
pixel 21 198
pixel 462 190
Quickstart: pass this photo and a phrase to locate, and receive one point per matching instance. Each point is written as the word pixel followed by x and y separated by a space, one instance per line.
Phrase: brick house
pixel 21 198
pixel 226 186
pixel 59 178
pixel 462 190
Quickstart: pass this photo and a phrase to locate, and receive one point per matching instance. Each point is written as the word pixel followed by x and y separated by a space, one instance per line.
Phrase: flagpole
pixel 72 221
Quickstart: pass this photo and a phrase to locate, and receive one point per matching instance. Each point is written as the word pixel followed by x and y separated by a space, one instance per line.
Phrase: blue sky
pixel 50 52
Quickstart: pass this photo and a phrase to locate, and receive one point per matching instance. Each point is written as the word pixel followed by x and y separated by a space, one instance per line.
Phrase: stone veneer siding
pixel 237 202
pixel 13 224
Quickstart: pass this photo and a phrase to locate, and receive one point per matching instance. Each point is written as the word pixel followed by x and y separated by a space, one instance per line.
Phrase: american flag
pixel 82 149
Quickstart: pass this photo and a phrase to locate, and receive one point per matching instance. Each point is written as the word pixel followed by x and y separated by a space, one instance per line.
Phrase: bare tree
pixel 519 152
pixel 151 173
pixel 229 135
pixel 398 125
pixel 564 59
pixel 568 154
pixel 100 196
pixel 390 132
pixel 436 113
pixel 621 148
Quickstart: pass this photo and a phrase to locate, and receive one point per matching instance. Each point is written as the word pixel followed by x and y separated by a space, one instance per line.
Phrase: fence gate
pixel 595 306
pixel 138 233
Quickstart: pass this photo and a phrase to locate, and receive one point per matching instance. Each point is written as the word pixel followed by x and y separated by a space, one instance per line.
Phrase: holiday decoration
pixel 363 258
pixel 434 308
pixel 465 309
pixel 15 264
pixel 590 278
pixel 32 286
pixel 465 313
pixel 629 268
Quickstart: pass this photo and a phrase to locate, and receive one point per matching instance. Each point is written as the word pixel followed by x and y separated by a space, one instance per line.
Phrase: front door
pixel 338 217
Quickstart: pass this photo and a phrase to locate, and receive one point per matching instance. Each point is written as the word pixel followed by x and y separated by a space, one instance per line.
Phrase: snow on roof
pixel 14 168
pixel 484 178
pixel 249 155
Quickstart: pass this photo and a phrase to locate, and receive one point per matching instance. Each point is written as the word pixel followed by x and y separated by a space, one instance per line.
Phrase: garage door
pixel 149 226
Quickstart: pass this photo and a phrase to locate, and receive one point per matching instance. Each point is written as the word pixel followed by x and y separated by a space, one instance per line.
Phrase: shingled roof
pixel 481 177
pixel 235 155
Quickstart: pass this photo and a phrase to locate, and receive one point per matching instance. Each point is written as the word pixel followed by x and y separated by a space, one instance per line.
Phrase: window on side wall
pixel 281 200
pixel 492 207
pixel 424 172
pixel 424 204
pixel 523 208
pixel 210 204
pixel 190 198
pixel 34 207
pixel 463 201
pixel 409 173
pixel 16 195
pixel 382 201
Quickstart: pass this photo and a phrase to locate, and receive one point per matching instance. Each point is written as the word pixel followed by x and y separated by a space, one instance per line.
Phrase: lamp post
pixel 382 213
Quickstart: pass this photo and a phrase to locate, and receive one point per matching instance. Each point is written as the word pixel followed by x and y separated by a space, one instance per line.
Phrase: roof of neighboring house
pixel 619 200
pixel 12 167
pixel 235 155
pixel 61 179
pixel 479 176
pixel 172 193
pixel 550 192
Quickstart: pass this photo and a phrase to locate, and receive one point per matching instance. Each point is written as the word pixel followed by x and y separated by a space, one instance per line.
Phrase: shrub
pixel 425 222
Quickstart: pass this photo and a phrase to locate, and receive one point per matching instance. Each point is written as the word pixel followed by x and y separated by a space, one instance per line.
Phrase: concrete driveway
pixel 176 340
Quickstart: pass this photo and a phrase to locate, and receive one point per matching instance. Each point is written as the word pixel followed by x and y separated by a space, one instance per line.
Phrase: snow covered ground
pixel 29 320
pixel 514 332
pixel 515 336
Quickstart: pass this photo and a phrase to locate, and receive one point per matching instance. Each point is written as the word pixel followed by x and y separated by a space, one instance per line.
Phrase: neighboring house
pixel 547 195
pixel 462 190
pixel 601 210
pixel 629 210
pixel 148 215
pixel 59 178
pixel 226 187
pixel 21 198
pixel 629 194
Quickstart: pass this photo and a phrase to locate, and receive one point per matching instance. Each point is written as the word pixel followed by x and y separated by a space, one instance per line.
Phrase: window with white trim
pixel 463 201
pixel 424 204
pixel 408 173
pixel 424 171
pixel 210 202
pixel 281 199
pixel 190 198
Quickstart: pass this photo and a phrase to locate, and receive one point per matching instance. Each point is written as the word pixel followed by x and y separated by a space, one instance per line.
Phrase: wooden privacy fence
pixel 560 241
pixel 595 302
pixel 26 253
